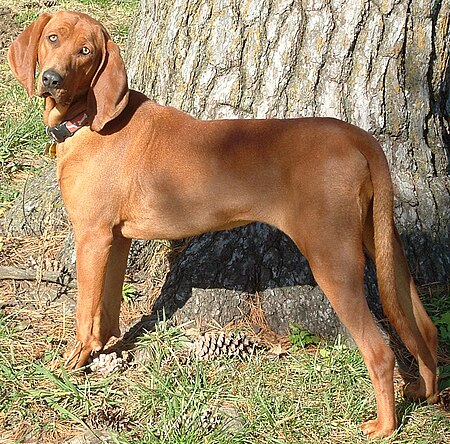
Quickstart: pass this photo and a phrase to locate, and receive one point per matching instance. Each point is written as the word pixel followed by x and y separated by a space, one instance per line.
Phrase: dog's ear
pixel 108 94
pixel 23 53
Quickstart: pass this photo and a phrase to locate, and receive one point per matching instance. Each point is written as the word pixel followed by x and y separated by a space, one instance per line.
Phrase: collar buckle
pixel 59 133
pixel 68 128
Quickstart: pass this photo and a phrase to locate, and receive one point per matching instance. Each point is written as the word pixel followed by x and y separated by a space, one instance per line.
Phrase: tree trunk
pixel 383 66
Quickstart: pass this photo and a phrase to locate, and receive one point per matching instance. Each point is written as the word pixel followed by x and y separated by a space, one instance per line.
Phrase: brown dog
pixel 129 168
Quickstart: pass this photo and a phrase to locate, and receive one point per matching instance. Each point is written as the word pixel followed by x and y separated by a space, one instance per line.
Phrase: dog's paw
pixel 376 429
pixel 413 391
pixel 77 356
pixel 416 392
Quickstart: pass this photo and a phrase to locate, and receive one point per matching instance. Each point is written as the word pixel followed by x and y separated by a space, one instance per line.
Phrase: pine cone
pixel 111 417
pixel 108 363
pixel 444 398
pixel 211 345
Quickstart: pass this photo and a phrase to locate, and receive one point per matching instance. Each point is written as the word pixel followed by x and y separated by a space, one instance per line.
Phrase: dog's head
pixel 78 62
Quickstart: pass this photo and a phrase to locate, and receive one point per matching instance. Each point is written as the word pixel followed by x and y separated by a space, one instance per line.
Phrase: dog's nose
pixel 51 79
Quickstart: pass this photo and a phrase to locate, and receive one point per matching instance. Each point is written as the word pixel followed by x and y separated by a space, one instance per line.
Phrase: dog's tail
pixel 385 237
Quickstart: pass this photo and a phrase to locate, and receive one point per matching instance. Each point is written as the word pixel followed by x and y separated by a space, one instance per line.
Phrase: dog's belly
pixel 195 210
pixel 147 229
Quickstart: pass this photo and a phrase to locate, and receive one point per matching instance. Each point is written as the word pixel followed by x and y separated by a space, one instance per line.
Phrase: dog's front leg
pixel 101 263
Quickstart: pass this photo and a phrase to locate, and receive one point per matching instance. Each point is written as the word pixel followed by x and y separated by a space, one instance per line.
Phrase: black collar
pixel 68 128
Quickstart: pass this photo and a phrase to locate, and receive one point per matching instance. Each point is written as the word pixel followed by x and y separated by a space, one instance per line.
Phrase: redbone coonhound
pixel 130 168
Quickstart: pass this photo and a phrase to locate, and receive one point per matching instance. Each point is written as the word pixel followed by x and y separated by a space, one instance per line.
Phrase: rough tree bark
pixel 382 65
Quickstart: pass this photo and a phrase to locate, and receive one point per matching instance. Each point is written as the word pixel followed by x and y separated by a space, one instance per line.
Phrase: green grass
pixel 22 131
pixel 313 395
pixel 22 134
pixel 437 303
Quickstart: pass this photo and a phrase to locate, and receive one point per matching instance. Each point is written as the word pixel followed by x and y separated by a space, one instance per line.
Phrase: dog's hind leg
pixel 334 249
pixel 340 275
pixel 422 343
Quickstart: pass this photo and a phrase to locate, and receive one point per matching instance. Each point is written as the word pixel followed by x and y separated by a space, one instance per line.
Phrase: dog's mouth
pixel 58 95
pixel 49 92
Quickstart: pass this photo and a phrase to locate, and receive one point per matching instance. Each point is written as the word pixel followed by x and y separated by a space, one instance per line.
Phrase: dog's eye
pixel 52 38
pixel 85 50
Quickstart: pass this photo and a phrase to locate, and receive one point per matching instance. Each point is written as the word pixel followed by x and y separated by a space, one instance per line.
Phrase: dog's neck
pixel 55 113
